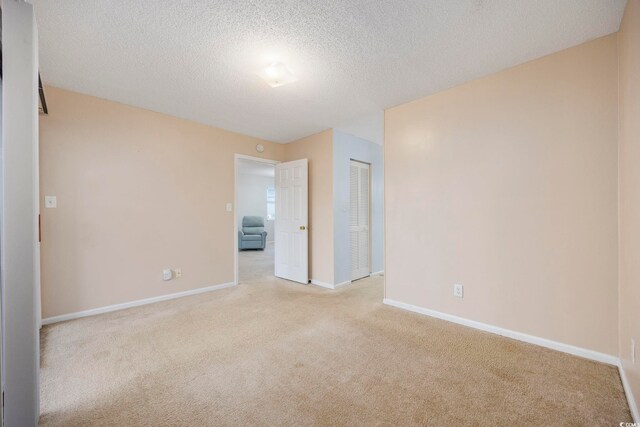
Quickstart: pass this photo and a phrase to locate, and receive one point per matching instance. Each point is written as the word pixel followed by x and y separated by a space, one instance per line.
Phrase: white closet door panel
pixel 353 184
pixel 359 219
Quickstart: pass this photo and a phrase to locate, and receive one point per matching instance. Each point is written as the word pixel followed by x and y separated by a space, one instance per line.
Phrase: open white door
pixel 359 218
pixel 291 225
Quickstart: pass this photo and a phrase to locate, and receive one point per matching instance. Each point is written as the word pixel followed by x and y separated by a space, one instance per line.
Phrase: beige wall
pixel 318 148
pixel 508 185
pixel 629 158
pixel 137 192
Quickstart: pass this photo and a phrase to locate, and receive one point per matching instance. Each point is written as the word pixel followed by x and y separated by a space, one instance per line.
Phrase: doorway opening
pixel 360 219
pixel 255 198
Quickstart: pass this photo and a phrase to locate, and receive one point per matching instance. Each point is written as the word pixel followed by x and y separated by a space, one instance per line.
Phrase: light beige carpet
pixel 277 353
pixel 255 265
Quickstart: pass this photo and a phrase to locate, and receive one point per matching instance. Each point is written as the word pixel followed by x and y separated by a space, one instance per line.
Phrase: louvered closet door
pixel 359 219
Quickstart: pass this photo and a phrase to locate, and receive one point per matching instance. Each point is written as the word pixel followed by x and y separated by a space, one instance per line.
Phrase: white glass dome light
pixel 277 74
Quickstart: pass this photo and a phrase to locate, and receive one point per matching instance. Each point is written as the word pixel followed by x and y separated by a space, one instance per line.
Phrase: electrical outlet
pixel 633 351
pixel 178 272
pixel 458 291
pixel 167 274
pixel 50 202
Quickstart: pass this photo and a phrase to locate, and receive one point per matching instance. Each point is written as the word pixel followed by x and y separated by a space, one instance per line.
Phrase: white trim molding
pixel 322 284
pixel 633 407
pixel 136 303
pixel 378 273
pixel 329 285
pixel 257 159
pixel 531 339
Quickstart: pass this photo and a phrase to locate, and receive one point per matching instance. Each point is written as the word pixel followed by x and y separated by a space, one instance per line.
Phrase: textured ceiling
pixel 198 59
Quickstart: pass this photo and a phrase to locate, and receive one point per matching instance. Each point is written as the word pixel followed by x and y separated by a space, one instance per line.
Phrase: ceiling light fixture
pixel 277 74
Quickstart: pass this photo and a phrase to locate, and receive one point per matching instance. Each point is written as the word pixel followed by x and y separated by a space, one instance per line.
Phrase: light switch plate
pixel 229 207
pixel 50 202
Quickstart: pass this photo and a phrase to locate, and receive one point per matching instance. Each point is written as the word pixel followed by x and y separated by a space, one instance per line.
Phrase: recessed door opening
pixel 255 219
pixel 360 219
pixel 271 220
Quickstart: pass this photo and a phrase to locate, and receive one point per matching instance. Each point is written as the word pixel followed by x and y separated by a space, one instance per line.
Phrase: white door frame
pixel 235 205
pixel 19 223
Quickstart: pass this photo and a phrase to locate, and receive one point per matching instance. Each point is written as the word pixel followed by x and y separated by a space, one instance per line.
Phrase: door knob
pixel 302 227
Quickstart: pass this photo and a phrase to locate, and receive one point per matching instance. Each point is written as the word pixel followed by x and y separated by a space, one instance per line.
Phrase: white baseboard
pixel 531 339
pixel 329 285
pixel 633 407
pixel 322 284
pixel 116 307
pixel 345 283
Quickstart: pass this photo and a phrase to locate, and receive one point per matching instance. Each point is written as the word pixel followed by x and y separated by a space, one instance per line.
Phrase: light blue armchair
pixel 252 235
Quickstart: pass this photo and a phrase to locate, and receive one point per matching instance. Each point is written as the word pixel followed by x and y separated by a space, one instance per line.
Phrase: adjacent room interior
pixel 320 213
pixel 256 212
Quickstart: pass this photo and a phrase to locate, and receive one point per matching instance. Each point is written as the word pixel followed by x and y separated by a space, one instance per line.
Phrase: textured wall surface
pixel 508 186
